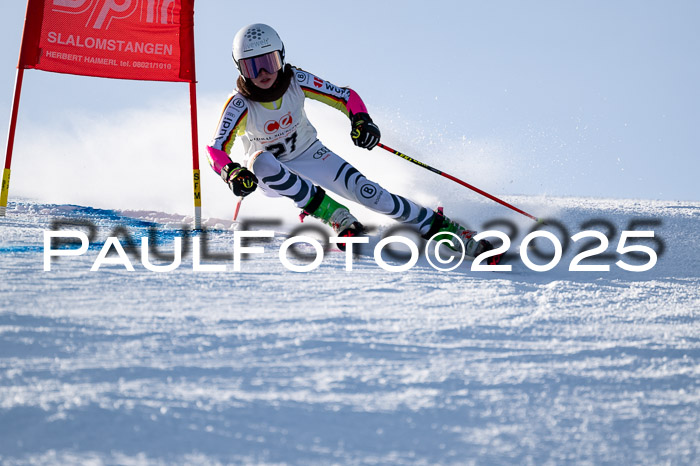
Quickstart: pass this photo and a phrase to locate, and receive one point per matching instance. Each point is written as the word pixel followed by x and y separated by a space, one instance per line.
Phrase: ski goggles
pixel 251 67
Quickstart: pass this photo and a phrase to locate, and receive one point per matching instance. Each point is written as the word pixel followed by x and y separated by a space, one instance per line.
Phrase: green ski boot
pixel 334 214
pixel 442 224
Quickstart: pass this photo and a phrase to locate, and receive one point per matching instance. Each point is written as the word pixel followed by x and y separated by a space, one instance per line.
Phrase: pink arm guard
pixel 355 103
pixel 217 159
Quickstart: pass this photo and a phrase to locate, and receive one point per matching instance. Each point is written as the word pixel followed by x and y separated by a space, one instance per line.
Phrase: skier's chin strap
pixel 252 92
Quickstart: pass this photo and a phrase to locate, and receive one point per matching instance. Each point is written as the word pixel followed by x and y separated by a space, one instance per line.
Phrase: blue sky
pixel 583 98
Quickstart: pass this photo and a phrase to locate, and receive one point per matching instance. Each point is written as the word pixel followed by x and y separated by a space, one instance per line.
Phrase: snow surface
pixel 367 366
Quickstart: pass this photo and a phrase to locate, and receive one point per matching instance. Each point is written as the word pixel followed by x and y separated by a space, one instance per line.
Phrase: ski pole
pixel 238 207
pixel 457 180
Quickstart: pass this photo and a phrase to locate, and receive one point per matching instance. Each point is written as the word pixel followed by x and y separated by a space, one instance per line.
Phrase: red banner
pixel 125 39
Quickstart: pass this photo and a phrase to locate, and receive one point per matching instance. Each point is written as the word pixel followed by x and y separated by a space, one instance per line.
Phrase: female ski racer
pixel 285 158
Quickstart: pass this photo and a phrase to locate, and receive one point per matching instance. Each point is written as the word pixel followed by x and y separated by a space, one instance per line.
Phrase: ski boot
pixel 442 224
pixel 334 214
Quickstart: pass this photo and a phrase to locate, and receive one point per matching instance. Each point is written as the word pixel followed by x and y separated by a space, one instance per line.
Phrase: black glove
pixel 241 180
pixel 364 132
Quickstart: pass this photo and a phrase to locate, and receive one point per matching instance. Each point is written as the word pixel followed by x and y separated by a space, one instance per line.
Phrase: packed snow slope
pixel 266 365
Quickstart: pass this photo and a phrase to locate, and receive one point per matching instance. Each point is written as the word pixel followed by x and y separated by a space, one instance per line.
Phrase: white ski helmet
pixel 255 47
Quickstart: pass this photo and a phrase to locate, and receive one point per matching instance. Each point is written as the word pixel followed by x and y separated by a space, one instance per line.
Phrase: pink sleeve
pixel 217 159
pixel 355 103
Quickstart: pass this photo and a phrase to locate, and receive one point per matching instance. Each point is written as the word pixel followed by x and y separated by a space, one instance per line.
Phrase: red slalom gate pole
pixel 197 189
pixel 5 190
pixel 457 180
